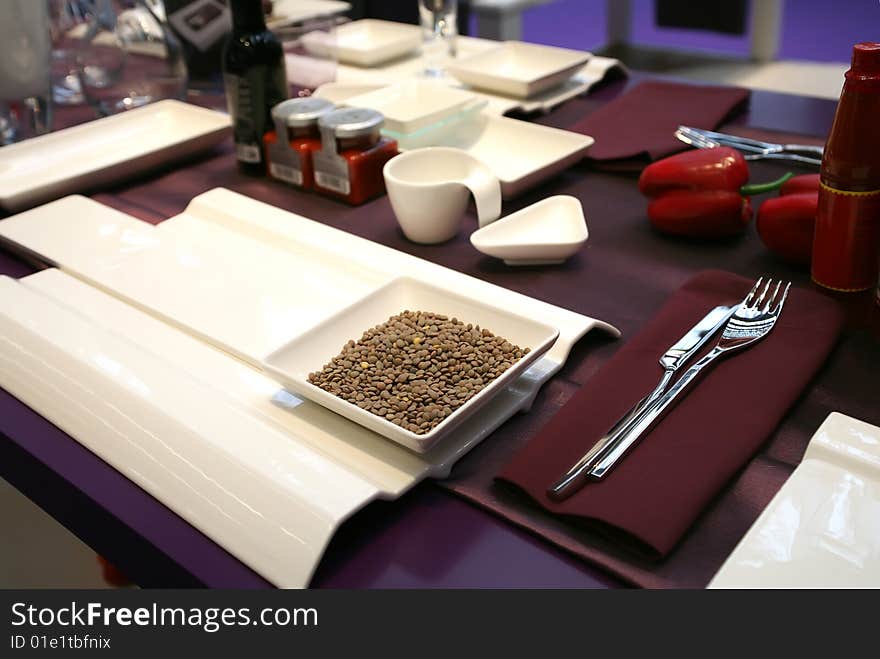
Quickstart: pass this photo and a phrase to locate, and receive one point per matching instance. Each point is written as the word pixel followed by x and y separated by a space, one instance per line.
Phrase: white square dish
pixel 309 352
pixel 520 154
pixel 415 104
pixel 370 42
pixel 519 69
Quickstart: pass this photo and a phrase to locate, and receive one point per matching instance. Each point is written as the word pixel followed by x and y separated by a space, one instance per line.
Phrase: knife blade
pixel 671 360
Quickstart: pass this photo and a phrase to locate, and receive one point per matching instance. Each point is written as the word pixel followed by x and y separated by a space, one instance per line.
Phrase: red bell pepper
pixel 701 193
pixel 786 225
pixel 799 184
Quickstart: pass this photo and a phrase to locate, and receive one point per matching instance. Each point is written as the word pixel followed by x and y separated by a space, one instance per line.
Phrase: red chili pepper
pixel 701 193
pixel 799 184
pixel 111 573
pixel 787 224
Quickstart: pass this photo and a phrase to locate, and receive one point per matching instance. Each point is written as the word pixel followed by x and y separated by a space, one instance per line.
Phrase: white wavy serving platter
pixel 822 529
pixel 105 150
pixel 145 349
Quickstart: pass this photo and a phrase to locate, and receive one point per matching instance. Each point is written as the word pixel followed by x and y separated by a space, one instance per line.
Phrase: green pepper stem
pixel 760 188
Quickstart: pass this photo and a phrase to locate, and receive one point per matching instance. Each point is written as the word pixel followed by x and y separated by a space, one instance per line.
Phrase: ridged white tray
pixel 822 529
pixel 145 347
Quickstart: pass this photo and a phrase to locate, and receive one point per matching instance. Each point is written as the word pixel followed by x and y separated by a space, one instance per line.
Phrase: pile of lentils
pixel 417 368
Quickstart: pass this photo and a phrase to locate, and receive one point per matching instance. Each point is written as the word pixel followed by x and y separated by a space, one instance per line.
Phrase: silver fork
pixel 809 150
pixel 700 140
pixel 753 320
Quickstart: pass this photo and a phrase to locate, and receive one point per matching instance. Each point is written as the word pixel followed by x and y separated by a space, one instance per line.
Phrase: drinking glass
pixel 439 19
pixel 309 52
pixel 25 108
pixel 114 54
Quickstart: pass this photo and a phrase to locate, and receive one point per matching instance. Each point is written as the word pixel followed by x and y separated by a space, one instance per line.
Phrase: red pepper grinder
pixel 846 247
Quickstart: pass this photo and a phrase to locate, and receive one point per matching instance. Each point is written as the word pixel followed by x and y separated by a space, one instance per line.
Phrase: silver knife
pixel 672 359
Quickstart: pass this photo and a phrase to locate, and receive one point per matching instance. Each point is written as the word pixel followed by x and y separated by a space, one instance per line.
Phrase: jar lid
pixel 352 122
pixel 299 112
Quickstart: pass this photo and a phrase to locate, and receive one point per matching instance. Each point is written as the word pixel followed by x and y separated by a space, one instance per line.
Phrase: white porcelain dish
pixel 547 232
pixel 106 150
pixel 412 66
pixel 286 12
pixel 519 69
pixel 157 371
pixel 520 153
pixel 822 529
pixel 415 104
pixel 369 42
pixel 338 92
pixel 310 351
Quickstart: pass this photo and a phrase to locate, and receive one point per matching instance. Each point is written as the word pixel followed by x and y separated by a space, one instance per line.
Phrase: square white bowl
pixel 415 104
pixel 519 69
pixel 522 154
pixel 370 42
pixel 309 352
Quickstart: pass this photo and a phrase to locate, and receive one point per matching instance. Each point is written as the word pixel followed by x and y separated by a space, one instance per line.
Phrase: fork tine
pixel 778 306
pixel 772 298
pixel 760 302
pixel 749 299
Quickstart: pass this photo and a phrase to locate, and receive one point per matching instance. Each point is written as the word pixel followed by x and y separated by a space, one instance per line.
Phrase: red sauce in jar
pixel 297 120
pixel 354 153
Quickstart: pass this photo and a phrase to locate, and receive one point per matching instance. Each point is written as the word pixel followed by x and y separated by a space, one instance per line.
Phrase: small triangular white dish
pixel 547 232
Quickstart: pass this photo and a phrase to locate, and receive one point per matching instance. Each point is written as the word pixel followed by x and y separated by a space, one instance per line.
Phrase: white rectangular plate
pixel 312 350
pixel 519 69
pixel 106 150
pixel 370 42
pixel 822 529
pixel 414 104
pixel 521 154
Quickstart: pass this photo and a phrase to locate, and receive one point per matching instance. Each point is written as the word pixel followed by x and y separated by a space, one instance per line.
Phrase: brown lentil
pixel 410 386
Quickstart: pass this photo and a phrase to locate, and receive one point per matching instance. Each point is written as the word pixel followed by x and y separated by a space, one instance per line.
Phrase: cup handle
pixel 487 197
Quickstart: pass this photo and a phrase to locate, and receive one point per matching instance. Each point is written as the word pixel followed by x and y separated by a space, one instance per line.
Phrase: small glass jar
pixel 290 159
pixel 349 165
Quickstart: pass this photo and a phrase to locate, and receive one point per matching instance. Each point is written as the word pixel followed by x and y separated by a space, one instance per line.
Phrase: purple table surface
pixel 428 538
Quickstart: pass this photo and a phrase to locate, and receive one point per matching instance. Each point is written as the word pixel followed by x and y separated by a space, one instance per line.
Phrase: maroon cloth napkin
pixel 640 123
pixel 656 492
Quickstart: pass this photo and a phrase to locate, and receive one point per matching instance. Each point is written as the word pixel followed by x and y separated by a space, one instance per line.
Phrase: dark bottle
pixel 255 81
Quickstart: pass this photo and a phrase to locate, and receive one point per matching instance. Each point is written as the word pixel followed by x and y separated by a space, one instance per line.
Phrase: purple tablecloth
pixel 428 538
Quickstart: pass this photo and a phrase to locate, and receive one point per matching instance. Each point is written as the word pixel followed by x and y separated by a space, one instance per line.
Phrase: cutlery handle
pixel 793 157
pixel 805 149
pixel 578 474
pixel 651 416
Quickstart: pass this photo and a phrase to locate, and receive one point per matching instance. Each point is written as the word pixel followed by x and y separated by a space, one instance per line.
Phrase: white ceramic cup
pixel 429 190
